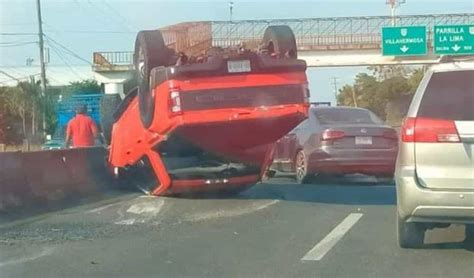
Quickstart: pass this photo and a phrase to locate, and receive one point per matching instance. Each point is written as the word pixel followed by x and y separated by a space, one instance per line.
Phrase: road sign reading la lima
pixel 454 39
pixel 404 41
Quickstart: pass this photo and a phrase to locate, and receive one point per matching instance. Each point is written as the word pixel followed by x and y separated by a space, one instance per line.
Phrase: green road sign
pixel 404 41
pixel 454 39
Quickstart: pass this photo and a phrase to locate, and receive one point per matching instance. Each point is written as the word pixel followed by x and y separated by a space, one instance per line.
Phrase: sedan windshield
pixel 346 116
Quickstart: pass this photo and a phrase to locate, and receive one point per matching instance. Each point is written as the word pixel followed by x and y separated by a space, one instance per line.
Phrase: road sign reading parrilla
pixel 404 41
pixel 454 39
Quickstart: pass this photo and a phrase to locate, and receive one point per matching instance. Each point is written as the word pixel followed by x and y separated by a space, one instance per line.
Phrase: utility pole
pixel 394 4
pixel 334 82
pixel 231 8
pixel 42 65
pixel 354 98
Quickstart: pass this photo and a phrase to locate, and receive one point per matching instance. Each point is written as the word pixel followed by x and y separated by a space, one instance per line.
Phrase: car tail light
pixel 332 134
pixel 426 130
pixel 390 134
pixel 175 102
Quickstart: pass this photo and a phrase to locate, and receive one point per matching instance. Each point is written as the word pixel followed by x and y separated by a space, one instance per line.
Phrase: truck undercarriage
pixel 210 124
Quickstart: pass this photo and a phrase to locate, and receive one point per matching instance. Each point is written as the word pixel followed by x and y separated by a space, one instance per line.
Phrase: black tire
pixel 108 105
pixel 469 233
pixel 281 41
pixel 410 234
pixel 150 52
pixel 301 168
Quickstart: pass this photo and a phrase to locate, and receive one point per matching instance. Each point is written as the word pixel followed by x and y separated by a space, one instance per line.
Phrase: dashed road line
pixel 327 243
pixel 30 257
pixel 260 205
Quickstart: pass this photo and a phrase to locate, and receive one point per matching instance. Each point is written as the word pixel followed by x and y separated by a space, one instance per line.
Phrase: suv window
pixel 449 95
pixel 346 116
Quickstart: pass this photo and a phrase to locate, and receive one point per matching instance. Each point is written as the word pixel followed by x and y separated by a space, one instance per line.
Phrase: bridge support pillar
pixel 113 88
pixel 114 81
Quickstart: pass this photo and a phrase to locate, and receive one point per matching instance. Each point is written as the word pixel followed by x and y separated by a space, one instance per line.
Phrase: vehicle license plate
pixel 238 66
pixel 363 140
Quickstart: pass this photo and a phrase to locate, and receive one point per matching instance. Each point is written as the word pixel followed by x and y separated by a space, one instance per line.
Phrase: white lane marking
pixel 152 208
pixel 99 209
pixel 327 243
pixel 30 257
pixel 141 212
pixel 130 221
pixel 230 213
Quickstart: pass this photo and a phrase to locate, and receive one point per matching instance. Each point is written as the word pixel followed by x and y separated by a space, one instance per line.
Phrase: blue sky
pixel 80 24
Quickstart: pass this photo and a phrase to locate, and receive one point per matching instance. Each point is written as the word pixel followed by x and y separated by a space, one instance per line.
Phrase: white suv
pixel 435 165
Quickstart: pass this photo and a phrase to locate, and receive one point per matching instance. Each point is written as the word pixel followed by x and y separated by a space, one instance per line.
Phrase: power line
pixel 13 42
pixel 66 49
pixel 57 51
pixel 100 14
pixel 17 34
pixel 104 12
pixel 17 44
pixel 92 32
pixel 10 76
pixel 17 79
pixel 83 9
pixel 118 14
pixel 18 24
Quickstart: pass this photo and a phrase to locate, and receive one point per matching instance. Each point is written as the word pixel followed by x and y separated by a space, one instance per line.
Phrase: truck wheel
pixel 410 234
pixel 150 52
pixel 108 105
pixel 470 233
pixel 301 165
pixel 281 41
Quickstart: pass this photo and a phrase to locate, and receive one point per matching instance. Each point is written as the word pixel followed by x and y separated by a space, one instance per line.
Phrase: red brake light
pixel 426 130
pixel 332 134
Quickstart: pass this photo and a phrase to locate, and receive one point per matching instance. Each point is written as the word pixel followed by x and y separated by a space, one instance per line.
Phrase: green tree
pixel 386 72
pixel 384 84
pixel 415 78
pixel 88 86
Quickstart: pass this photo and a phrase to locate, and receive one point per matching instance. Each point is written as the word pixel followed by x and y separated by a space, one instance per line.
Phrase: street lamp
pixel 394 4
pixel 231 7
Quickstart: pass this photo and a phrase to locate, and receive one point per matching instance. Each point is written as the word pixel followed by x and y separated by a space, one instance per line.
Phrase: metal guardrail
pixel 113 58
pixel 311 33
pixel 329 33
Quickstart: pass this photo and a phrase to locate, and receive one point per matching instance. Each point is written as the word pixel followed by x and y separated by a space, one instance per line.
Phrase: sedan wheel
pixel 301 164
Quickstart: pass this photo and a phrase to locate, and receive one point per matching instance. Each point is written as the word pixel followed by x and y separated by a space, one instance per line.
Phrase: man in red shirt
pixel 81 129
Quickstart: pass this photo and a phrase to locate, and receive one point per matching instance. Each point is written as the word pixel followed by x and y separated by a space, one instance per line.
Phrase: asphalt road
pixel 338 228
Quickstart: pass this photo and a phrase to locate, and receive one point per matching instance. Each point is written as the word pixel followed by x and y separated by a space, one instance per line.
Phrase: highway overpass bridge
pixel 322 42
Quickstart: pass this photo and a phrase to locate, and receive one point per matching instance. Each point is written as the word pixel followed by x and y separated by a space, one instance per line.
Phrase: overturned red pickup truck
pixel 209 122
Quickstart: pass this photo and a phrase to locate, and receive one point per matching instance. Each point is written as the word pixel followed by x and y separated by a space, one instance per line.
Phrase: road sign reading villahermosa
pixel 404 41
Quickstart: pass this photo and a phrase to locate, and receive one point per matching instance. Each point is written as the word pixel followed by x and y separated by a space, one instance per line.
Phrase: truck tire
pixel 150 52
pixel 281 41
pixel 108 105
pixel 470 233
pixel 410 234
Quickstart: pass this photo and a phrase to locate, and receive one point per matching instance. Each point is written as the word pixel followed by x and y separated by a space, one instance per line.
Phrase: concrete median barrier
pixel 45 180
